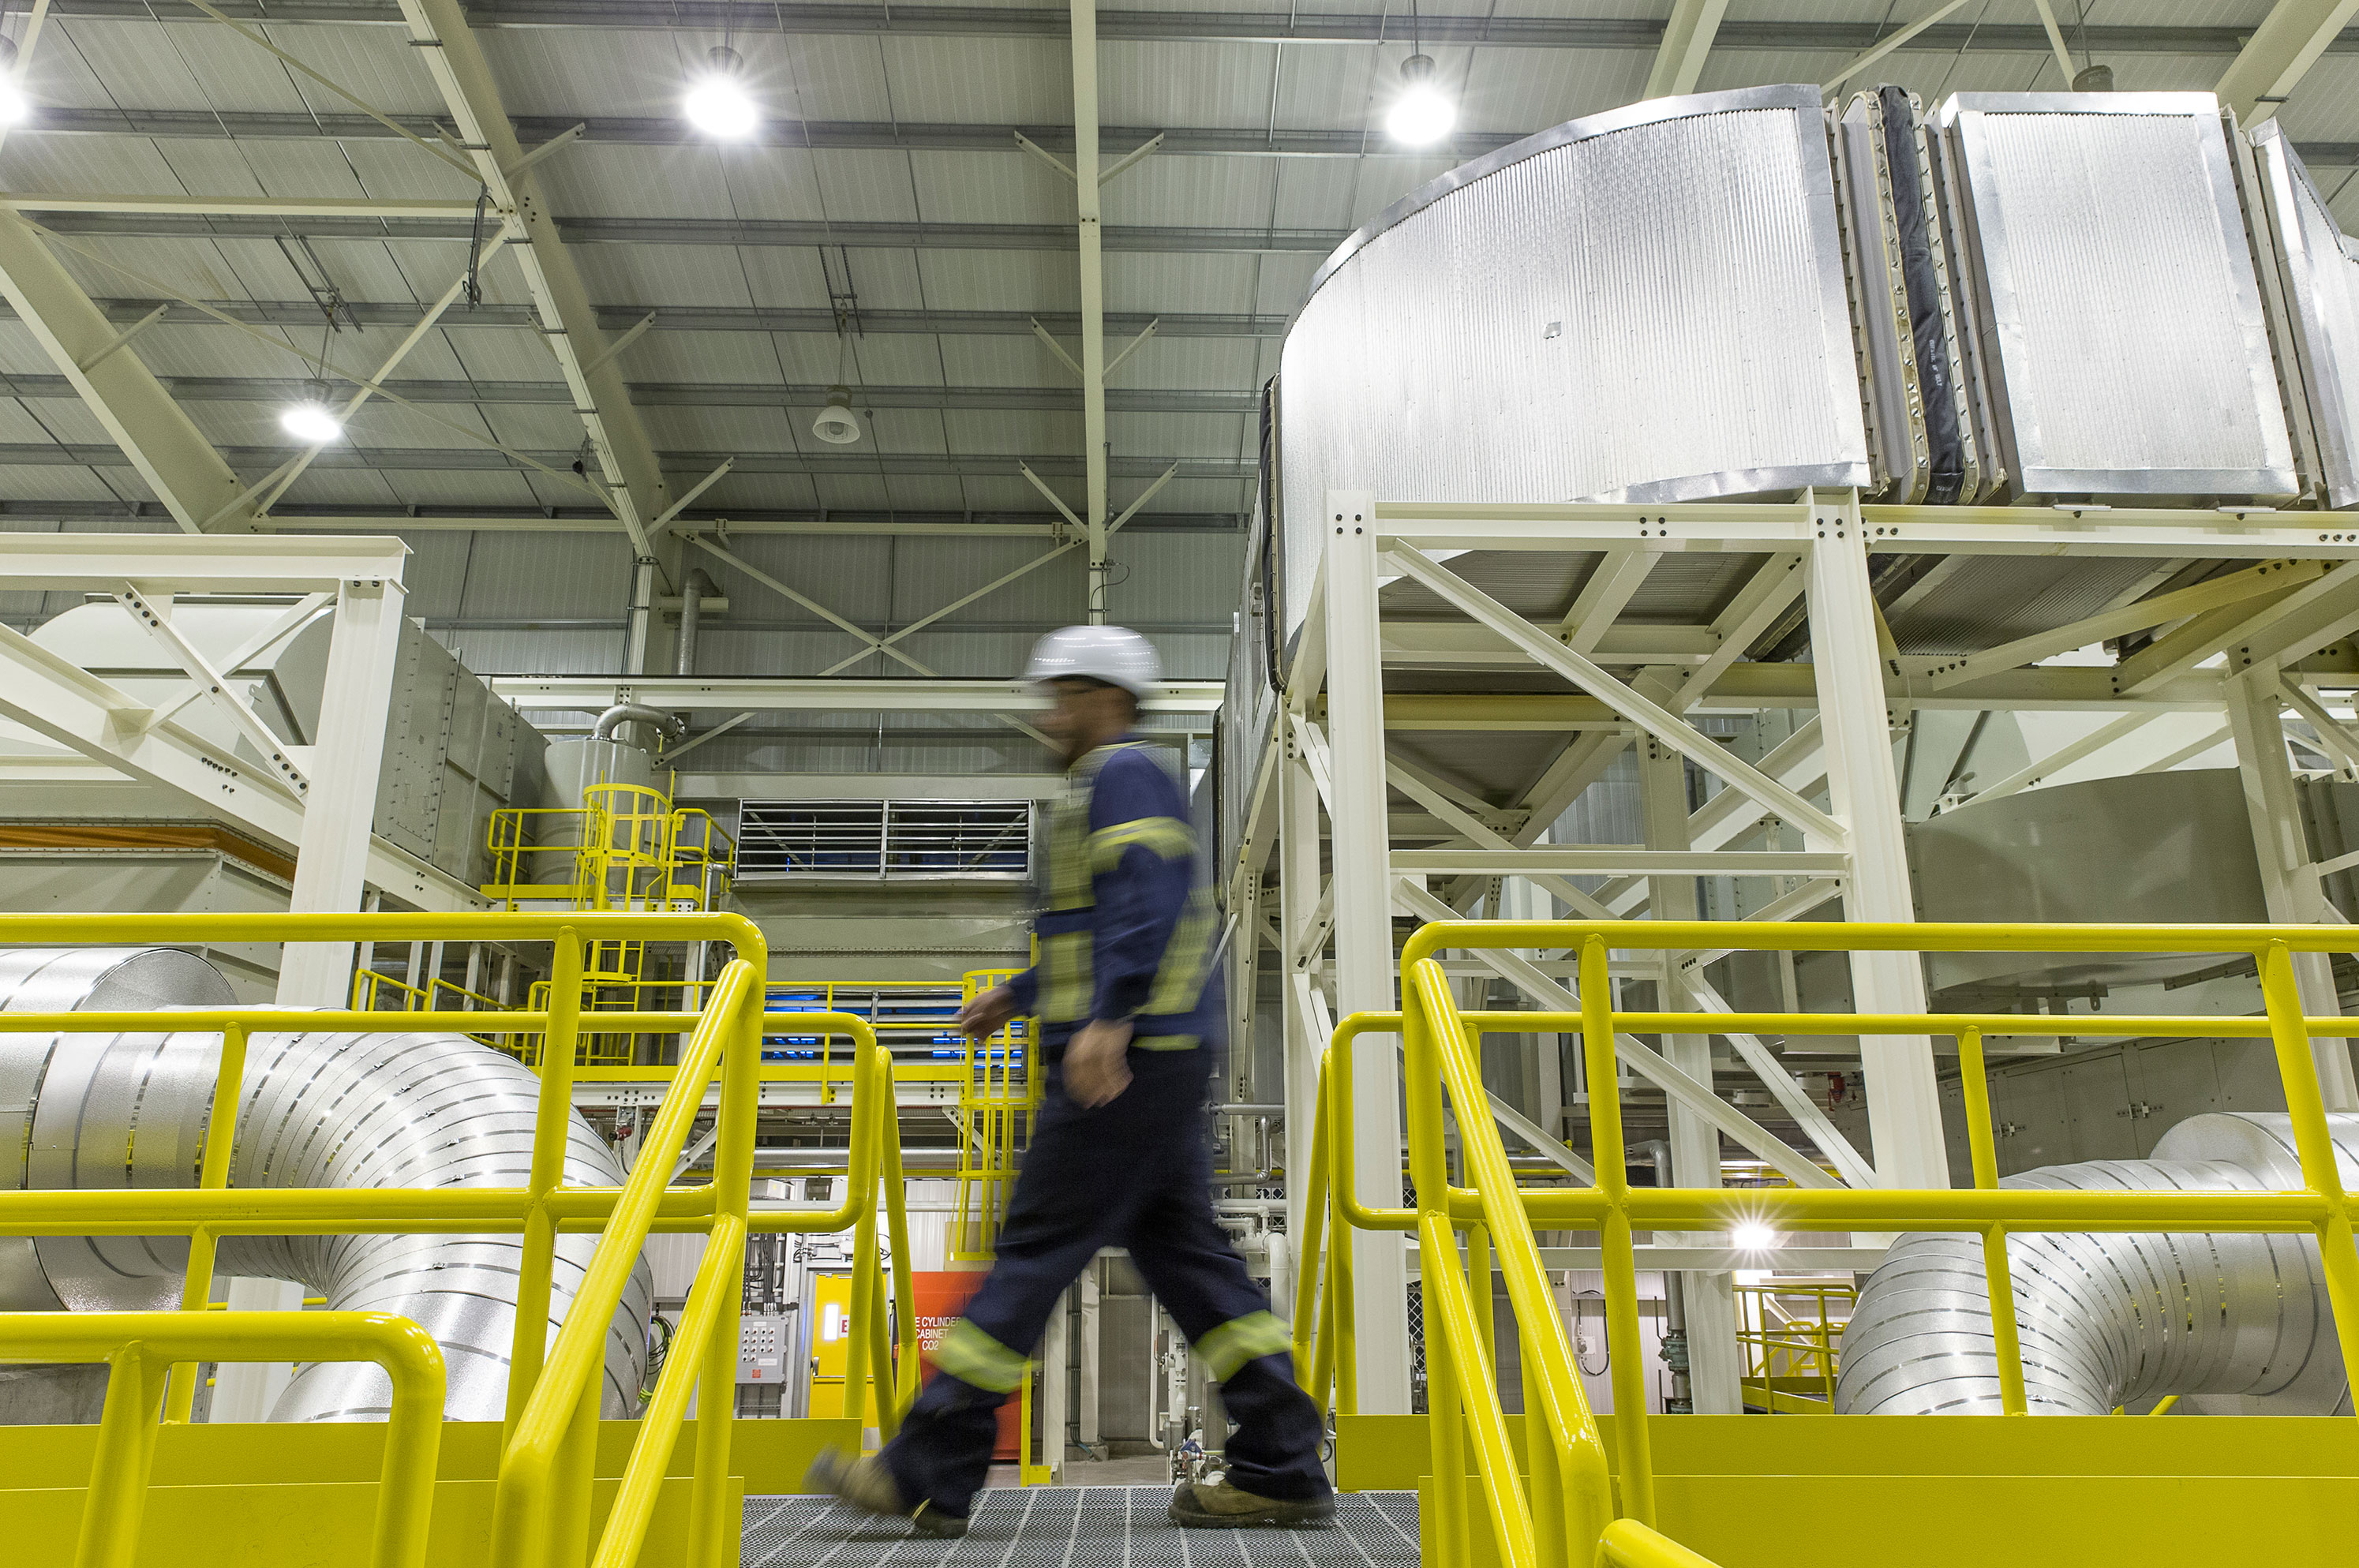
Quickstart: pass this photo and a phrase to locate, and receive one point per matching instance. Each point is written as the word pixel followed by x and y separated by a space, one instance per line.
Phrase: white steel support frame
pixel 2279 53
pixel 2289 882
pixel 319 801
pixel 1301 894
pixel 1713 1375
pixel 1365 980
pixel 1904 1105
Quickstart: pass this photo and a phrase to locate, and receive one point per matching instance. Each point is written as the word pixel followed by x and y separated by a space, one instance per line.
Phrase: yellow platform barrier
pixel 1560 1499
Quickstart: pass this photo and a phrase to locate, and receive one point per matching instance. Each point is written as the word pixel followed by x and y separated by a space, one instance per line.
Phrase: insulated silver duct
pixel 2107 1320
pixel 432 1111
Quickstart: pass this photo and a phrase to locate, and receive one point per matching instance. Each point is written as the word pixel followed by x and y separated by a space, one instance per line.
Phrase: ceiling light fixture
pixel 13 106
pixel 1753 1236
pixel 311 421
pixel 1420 115
pixel 717 102
pixel 837 425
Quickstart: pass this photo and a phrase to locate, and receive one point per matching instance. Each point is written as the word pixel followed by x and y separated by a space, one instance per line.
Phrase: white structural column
pixel 450 52
pixel 1092 265
pixel 163 444
pixel 2289 882
pixel 2279 52
pixel 1712 1373
pixel 331 859
pixel 1687 39
pixel 1903 1107
pixel 1299 901
pixel 1364 958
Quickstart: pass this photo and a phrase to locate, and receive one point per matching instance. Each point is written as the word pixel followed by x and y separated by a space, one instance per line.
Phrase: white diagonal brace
pixel 154 615
pixel 1143 150
pixel 1611 584
pixel 1885 45
pixel 2339 742
pixel 663 520
pixel 2288 624
pixel 1316 759
pixel 2056 42
pixel 2279 53
pixel 298 616
pixel 620 342
pixel 956 604
pixel 454 56
pixel 1764 597
pixel 1418 788
pixel 294 469
pixel 2234 588
pixel 1687 39
pixel 1134 345
pixel 1782 1087
pixel 1645 712
pixel 127 333
pixel 162 443
pixel 673 756
pixel 1053 346
pixel 1548 993
pixel 870 644
pixel 2065 756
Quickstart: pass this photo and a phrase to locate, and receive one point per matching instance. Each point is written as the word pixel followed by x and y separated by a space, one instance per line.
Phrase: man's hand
pixel 987 1013
pixel 1096 1066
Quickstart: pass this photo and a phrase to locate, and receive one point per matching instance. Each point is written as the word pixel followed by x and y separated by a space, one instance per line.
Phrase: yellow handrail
pixel 1567 1513
pixel 138 1349
pixel 540 1509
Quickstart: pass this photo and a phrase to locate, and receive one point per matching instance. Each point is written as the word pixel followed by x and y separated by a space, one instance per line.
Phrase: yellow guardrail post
pixel 1999 1277
pixel 139 1346
pixel 905 1304
pixel 212 1175
pixel 2313 1142
pixel 1444 1417
pixel 715 1524
pixel 550 1129
pixel 1609 1154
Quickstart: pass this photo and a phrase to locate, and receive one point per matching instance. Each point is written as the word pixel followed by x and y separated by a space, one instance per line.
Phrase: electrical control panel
pixel 761 1350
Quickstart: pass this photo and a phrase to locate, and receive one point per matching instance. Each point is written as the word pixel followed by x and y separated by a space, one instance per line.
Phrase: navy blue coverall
pixel 1126 934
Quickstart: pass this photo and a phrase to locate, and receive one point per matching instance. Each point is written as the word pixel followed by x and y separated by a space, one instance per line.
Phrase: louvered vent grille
pixel 884 840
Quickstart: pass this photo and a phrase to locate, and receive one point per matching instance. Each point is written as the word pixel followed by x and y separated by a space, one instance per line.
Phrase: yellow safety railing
pixel 995 1110
pixel 1778 1348
pixel 139 1349
pixel 1566 1511
pixel 541 1506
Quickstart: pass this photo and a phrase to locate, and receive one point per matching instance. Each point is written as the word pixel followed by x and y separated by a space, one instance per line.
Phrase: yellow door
pixel 830 1338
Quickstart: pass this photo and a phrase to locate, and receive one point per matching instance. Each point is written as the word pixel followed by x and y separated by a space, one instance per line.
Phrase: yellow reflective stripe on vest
pixel 1180 979
pixel 1249 1338
pixel 971 1356
pixel 1166 836
pixel 1068 985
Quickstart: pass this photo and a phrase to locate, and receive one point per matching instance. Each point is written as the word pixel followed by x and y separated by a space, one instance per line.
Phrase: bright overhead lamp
pixel 717 103
pixel 1420 115
pixel 311 421
pixel 13 106
pixel 1753 1236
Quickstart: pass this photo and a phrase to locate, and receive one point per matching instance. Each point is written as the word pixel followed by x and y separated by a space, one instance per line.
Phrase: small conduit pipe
pixel 692 613
pixel 108 1112
pixel 2107 1320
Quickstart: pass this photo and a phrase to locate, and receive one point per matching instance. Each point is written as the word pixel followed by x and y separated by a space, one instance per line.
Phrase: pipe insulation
pixel 2107 1320
pixel 409 1110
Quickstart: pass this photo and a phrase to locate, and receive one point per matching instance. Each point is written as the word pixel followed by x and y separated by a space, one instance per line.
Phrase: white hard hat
pixel 1116 655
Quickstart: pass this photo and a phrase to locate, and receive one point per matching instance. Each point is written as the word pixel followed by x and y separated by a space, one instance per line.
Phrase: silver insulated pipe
pixel 2107 1320
pixel 428 1111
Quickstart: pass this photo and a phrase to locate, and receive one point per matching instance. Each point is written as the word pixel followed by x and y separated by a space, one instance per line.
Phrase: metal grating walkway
pixel 1077 1527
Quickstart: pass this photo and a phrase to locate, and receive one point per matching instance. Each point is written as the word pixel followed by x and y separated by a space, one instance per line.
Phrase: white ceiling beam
pixel 162 443
pixel 1687 39
pixel 1087 207
pixel 704 694
pixel 241 206
pixel 2279 53
pixel 454 56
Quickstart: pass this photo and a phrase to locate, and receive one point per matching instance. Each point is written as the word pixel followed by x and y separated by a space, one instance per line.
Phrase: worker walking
pixel 1130 1009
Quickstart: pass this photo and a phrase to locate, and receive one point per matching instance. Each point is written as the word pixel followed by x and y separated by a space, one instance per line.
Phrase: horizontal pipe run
pixel 212 1020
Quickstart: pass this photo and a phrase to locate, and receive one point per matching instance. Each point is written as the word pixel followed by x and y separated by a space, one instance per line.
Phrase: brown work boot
pixel 867 1485
pixel 1216 1505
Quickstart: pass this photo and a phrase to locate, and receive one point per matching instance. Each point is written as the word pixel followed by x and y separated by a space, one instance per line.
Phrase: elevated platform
pixel 1076 1527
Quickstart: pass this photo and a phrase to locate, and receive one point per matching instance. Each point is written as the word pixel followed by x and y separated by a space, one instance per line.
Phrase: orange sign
pixel 939 1296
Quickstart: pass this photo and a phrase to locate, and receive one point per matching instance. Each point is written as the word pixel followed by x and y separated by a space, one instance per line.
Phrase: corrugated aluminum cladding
pixel 2322 272
pixel 2130 354
pixel 1646 305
